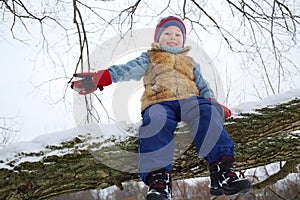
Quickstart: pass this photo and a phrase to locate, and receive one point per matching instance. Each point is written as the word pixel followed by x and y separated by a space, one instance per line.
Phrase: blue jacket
pixel 136 69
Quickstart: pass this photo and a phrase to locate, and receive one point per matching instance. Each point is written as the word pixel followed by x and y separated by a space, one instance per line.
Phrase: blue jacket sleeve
pixel 202 84
pixel 132 70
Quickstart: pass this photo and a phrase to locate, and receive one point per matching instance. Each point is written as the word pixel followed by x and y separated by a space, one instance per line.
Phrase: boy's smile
pixel 172 37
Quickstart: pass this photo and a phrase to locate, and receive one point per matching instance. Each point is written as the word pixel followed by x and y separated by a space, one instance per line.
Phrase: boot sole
pixel 217 192
pixel 157 197
pixel 222 191
pixel 243 191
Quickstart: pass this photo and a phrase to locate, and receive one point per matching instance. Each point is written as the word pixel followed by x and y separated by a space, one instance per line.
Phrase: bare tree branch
pixel 7 131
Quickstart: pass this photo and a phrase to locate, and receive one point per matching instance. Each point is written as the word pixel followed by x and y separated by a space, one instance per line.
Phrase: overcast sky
pixel 32 111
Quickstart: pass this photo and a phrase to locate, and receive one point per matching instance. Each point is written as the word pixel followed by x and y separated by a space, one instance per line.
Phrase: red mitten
pixel 226 110
pixel 90 81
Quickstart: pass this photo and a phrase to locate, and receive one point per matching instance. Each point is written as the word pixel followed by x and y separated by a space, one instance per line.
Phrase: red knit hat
pixel 169 21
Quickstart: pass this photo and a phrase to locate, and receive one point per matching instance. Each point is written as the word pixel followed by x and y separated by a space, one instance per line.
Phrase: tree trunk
pixel 266 136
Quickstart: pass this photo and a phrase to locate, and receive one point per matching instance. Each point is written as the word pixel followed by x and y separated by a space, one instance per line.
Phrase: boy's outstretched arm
pixel 133 70
pixel 91 81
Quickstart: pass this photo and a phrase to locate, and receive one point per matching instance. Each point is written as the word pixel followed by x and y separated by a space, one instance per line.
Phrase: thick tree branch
pixel 268 136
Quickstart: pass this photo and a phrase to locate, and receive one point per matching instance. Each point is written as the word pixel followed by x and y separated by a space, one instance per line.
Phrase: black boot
pixel 215 180
pixel 225 181
pixel 160 185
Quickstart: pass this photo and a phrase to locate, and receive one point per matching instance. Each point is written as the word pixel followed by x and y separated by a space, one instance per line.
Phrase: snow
pixel 248 107
pixel 11 153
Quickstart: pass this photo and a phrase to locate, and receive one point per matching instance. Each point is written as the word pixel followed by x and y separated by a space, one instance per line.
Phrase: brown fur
pixel 169 77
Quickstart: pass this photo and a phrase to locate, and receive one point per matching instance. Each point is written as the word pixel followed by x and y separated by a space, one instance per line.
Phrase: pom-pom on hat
pixel 169 21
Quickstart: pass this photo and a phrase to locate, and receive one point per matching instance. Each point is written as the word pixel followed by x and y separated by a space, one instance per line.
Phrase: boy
pixel 174 91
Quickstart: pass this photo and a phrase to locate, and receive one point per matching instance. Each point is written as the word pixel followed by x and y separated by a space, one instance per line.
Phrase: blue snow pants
pixel 156 134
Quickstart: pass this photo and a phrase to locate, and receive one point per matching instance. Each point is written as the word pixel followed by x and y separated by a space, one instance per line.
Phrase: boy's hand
pixel 91 81
pixel 226 110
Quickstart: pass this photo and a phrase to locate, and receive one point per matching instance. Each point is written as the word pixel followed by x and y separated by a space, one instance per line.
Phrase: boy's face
pixel 172 37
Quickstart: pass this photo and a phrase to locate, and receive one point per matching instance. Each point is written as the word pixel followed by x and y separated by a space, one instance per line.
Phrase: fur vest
pixel 169 77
